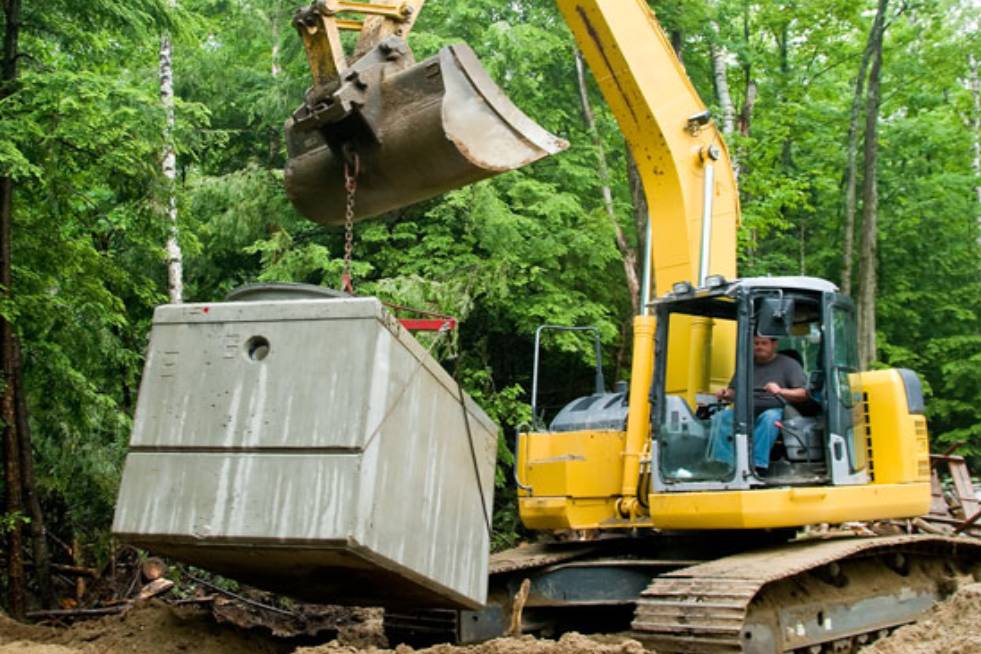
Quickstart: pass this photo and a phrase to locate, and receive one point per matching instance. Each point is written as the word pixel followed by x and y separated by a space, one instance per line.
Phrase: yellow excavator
pixel 658 507
pixel 620 470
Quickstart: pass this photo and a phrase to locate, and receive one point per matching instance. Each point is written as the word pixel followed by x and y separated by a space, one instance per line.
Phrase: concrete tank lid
pixel 274 291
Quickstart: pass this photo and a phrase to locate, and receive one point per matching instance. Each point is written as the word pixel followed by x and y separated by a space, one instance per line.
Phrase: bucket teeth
pixel 419 130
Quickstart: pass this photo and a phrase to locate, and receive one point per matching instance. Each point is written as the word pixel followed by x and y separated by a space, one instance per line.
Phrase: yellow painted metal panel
pixel 576 479
pixel 788 507
pixel 900 446
pixel 572 464
pixel 560 513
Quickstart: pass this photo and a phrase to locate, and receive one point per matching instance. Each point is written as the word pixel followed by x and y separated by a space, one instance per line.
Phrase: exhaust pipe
pixel 419 130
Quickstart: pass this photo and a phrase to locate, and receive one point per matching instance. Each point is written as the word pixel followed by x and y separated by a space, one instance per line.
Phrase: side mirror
pixel 776 317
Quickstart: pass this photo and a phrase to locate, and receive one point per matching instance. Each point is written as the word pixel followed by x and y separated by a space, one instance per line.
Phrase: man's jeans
pixel 764 435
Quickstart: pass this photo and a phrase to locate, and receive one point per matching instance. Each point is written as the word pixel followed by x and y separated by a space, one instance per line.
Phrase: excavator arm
pixel 691 192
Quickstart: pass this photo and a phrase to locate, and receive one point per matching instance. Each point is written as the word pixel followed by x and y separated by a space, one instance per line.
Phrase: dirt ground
pixel 953 627
pixel 571 643
pixel 162 629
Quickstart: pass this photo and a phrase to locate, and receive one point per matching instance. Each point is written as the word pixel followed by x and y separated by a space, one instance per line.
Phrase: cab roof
pixel 795 282
pixel 729 289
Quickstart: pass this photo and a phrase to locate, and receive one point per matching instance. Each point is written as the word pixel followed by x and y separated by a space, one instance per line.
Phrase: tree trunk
pixel 720 75
pixel 629 254
pixel 638 200
pixel 678 43
pixel 746 112
pixel 786 152
pixel 275 17
pixel 39 541
pixel 801 248
pixel 14 505
pixel 975 83
pixel 851 156
pixel 717 53
pixel 175 259
pixel 870 202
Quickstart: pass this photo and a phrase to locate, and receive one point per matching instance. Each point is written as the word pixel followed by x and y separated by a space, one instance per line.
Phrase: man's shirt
pixel 784 371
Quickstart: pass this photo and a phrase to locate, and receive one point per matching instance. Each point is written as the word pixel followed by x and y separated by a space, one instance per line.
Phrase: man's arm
pixel 793 388
pixel 792 395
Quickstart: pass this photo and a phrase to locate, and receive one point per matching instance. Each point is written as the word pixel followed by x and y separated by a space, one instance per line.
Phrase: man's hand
pixel 725 394
pixel 792 395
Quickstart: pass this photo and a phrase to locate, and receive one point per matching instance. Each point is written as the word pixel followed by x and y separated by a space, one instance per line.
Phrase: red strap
pixel 428 324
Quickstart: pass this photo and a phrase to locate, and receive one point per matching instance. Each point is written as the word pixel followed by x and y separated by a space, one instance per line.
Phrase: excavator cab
pixel 855 445
pixel 761 439
pixel 379 131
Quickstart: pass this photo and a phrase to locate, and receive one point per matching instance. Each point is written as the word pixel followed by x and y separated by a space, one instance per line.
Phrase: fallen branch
pixel 930 528
pixel 71 613
pixel 967 524
pixel 75 570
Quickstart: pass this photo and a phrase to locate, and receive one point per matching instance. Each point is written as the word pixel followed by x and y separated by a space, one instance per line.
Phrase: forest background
pixel 797 85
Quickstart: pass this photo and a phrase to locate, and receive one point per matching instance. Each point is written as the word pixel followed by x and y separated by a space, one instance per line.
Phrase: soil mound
pixel 154 629
pixel 952 627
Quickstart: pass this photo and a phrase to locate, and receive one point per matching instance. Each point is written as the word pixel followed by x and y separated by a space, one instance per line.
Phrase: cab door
pixel 842 394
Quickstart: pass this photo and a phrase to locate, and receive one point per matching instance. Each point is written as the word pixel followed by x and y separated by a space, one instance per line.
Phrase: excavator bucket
pixel 415 129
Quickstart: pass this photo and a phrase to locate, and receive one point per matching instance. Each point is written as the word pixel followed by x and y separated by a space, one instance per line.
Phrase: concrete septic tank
pixel 310 447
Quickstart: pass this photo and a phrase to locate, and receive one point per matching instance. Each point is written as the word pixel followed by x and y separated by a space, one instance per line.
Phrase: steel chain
pixel 351 187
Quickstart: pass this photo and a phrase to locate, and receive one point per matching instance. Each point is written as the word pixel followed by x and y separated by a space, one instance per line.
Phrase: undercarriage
pixel 711 593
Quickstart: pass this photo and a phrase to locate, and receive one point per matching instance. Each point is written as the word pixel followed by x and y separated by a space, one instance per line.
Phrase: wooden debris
pixel 959 510
pixel 931 527
pixel 517 607
pixel 969 523
pixel 76 570
pixel 154 588
pixel 153 568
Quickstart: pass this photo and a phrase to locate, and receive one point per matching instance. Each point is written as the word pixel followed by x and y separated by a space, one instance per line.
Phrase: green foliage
pixel 81 136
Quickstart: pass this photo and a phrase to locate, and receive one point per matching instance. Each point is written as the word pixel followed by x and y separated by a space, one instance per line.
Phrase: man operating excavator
pixel 777 379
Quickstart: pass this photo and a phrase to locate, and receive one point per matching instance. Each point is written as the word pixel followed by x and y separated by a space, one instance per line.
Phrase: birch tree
pixel 749 99
pixel 175 259
pixel 974 83
pixel 628 253
pixel 718 55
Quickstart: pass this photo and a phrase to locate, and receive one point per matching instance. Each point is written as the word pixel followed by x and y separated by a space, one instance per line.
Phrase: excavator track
pixel 807 596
